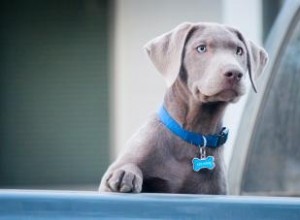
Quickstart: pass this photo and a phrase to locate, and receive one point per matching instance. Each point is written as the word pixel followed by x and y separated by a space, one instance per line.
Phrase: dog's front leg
pixel 127 178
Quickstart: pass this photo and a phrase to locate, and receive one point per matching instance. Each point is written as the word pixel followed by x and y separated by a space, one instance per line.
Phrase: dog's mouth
pixel 225 95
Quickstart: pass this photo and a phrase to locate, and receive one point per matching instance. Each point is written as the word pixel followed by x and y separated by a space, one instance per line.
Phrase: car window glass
pixel 273 164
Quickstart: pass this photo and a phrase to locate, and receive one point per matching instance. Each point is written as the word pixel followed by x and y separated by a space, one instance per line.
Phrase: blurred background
pixel 75 82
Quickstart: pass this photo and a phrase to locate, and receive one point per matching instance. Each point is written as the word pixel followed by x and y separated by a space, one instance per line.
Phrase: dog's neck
pixel 204 118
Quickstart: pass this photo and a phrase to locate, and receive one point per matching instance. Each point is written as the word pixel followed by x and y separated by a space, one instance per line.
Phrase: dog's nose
pixel 233 75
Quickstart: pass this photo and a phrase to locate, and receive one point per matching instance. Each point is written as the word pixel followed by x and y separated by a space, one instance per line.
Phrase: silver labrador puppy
pixel 179 150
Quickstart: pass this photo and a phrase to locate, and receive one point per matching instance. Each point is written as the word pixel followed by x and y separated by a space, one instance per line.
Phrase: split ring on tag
pixel 202 148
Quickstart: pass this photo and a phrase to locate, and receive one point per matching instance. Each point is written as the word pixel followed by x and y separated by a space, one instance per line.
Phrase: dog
pixel 180 149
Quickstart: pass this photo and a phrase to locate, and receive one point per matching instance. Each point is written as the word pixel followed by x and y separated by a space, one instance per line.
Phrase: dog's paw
pixel 123 180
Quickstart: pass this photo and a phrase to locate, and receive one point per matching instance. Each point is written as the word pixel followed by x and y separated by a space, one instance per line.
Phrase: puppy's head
pixel 211 59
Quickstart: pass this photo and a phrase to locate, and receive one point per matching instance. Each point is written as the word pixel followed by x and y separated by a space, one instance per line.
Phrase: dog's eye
pixel 201 48
pixel 239 51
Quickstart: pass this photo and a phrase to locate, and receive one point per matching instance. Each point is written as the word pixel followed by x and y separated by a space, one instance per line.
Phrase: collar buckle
pixel 223 136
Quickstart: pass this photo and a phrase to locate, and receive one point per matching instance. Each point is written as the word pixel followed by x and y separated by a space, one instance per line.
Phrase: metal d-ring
pixel 202 148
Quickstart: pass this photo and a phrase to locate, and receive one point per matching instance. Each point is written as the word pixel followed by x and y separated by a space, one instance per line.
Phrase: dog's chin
pixel 227 95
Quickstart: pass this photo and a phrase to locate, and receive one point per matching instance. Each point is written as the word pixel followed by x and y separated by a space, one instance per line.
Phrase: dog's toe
pixel 127 182
pixel 137 184
pixel 114 181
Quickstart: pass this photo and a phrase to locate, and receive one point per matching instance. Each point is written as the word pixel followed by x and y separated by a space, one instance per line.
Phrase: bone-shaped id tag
pixel 203 163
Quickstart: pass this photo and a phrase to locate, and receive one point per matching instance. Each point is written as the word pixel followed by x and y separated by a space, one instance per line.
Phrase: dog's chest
pixel 178 176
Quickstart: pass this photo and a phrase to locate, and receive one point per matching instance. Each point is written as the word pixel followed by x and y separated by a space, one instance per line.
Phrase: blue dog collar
pixel 197 139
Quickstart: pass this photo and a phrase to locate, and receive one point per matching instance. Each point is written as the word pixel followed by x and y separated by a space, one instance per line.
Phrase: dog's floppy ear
pixel 257 58
pixel 166 50
pixel 256 61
